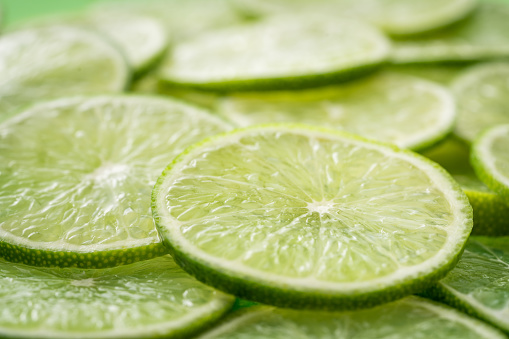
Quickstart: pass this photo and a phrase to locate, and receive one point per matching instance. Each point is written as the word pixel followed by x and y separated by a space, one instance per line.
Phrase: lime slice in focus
pixel 147 299
pixel 310 218
pixel 43 63
pixel 389 107
pixel 77 175
pixel 283 53
pixel 410 318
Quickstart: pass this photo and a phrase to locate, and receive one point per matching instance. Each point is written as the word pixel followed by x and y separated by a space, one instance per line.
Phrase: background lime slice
pixel 77 175
pixel 152 298
pixel 389 107
pixel 282 53
pixel 482 95
pixel 410 318
pixel 490 159
pixel 478 284
pixel 39 64
pixel 325 220
pixel 484 35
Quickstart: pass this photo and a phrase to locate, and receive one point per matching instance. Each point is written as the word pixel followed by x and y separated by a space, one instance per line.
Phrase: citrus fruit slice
pixel 77 175
pixel 310 218
pixel 152 298
pixel 482 96
pixel 282 53
pixel 43 63
pixel 490 159
pixel 389 107
pixel 478 284
pixel 410 318
pixel 440 73
pixel 484 35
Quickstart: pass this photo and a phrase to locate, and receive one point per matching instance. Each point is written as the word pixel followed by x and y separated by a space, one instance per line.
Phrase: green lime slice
pixel 77 175
pixel 484 35
pixel 395 17
pixel 389 107
pixel 182 19
pixel 478 285
pixel 439 73
pixel 325 219
pixel 482 95
pixel 490 159
pixel 148 299
pixel 281 53
pixel 410 318
pixel 43 63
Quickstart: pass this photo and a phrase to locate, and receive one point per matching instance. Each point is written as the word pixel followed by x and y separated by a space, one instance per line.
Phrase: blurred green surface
pixel 16 10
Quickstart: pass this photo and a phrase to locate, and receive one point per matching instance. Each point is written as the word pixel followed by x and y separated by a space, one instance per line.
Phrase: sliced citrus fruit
pixel 281 53
pixel 310 218
pixel 482 96
pixel 148 299
pixel 478 285
pixel 77 175
pixel 439 73
pixel 410 318
pixel 484 35
pixel 43 63
pixel 389 107
pixel 490 159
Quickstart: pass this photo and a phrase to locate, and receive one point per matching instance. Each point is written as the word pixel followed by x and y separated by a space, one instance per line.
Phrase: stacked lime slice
pixel 389 107
pixel 77 175
pixel 326 220
pixel 43 63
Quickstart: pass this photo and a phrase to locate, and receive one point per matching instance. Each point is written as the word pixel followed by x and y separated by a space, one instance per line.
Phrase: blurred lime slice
pixel 148 299
pixel 410 318
pixel 490 159
pixel 289 52
pixel 77 175
pixel 484 35
pixel 389 107
pixel 43 63
pixel 482 96
pixel 479 285
pixel 333 221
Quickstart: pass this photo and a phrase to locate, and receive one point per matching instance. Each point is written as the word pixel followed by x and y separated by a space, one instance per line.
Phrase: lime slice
pixel 478 285
pixel 482 95
pixel 152 298
pixel 324 219
pixel 484 35
pixel 490 159
pixel 182 19
pixel 395 17
pixel 282 53
pixel 77 175
pixel 439 73
pixel 389 107
pixel 410 318
pixel 491 212
pixel 39 64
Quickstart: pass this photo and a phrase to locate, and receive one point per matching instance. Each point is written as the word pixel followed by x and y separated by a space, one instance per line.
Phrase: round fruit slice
pixel 484 35
pixel 152 298
pixel 410 318
pixel 310 218
pixel 490 159
pixel 389 107
pixel 282 53
pixel 482 96
pixel 43 63
pixel 77 175
pixel 479 285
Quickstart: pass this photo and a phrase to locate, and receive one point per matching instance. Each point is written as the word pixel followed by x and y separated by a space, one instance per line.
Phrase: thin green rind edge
pixel 276 83
pixel 481 169
pixel 261 292
pixel 91 259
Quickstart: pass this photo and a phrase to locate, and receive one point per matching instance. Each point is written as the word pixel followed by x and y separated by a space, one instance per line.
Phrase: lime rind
pixel 492 168
pixel 148 299
pixel 305 293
